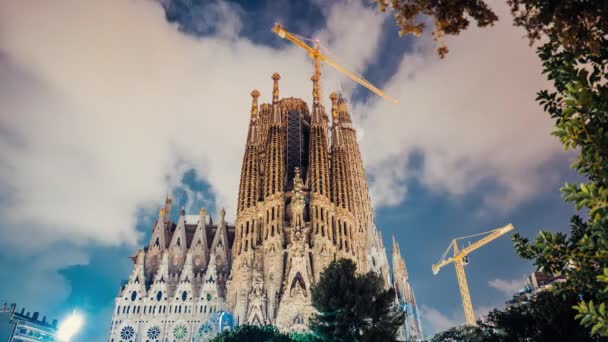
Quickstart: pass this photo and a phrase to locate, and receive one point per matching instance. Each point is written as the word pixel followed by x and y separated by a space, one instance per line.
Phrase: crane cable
pixel 460 238
pixel 328 52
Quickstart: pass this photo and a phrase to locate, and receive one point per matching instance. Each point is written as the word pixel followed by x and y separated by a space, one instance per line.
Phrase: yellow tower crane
pixel 460 259
pixel 317 56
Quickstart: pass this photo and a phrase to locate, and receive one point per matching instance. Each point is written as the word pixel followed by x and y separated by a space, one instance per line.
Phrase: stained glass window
pixel 180 332
pixel 127 333
pixel 153 332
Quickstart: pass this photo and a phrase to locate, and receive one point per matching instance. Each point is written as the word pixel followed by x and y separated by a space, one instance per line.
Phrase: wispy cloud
pixel 436 320
pixel 472 117
pixel 507 287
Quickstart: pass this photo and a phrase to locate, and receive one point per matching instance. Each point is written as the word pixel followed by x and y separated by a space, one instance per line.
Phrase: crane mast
pixel 460 259
pixel 318 57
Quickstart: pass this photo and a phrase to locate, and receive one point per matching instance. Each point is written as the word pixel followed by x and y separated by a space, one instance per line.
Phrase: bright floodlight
pixel 70 326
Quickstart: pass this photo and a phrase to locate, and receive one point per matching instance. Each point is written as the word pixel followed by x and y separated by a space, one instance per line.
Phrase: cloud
pixel 507 287
pixel 123 103
pixel 31 273
pixel 472 116
pixel 436 320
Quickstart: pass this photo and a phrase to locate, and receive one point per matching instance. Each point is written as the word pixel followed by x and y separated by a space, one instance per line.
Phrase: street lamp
pixel 70 326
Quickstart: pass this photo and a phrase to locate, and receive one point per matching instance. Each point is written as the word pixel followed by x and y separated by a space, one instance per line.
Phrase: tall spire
pixel 275 154
pixel 341 174
pixel 275 88
pixel 254 103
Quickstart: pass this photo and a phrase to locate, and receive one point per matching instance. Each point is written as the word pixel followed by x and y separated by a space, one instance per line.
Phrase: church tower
pixel 412 329
pixel 303 202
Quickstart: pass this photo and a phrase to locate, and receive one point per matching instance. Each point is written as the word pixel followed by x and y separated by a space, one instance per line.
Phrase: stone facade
pixel 412 329
pixel 303 202
pixel 177 287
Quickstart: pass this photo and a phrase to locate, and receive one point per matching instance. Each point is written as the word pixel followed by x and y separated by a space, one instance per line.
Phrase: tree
pixel 354 307
pixel 252 333
pixel 546 317
pixel 451 17
pixel 575 58
pixel 577 25
pixel 579 106
pixel 461 333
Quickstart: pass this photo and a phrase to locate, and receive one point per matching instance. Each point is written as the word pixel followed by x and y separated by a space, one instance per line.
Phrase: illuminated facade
pixel 303 201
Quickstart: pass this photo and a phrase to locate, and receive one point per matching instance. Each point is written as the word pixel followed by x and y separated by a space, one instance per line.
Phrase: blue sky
pixel 109 105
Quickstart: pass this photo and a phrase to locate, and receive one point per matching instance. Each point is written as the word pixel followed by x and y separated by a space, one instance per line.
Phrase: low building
pixel 23 327
pixel 535 283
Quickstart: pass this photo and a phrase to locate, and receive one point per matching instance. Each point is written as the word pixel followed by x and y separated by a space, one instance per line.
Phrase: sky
pixel 106 106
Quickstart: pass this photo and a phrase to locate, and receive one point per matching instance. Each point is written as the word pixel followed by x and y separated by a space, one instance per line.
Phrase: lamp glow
pixel 70 326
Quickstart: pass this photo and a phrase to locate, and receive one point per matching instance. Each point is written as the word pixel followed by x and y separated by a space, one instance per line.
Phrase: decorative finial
pixel 161 211
pixel 334 105
pixel 203 212
pixel 254 103
pixel 275 89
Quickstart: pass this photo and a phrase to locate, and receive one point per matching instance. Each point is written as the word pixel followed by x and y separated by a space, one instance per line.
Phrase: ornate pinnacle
pixel 315 88
pixel 275 89
pixel 343 103
pixel 334 105
pixel 254 104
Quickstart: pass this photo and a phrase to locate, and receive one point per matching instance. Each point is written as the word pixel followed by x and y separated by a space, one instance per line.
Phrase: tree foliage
pixel 354 307
pixel 577 25
pixel 451 17
pixel 547 317
pixel 252 333
pixel 574 34
pixel 462 333
pixel 579 106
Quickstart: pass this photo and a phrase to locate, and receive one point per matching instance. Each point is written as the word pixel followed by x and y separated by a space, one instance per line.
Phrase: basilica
pixel 303 201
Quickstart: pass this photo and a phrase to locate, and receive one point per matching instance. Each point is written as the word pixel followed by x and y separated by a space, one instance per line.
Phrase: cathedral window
pixel 205 310
pixel 159 295
pixel 180 332
pixel 118 310
pixel 133 296
pixel 153 332
pixel 127 333
pixel 184 295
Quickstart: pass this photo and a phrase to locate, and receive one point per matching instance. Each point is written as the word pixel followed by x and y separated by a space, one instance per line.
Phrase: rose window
pixel 127 333
pixel 153 332
pixel 180 332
